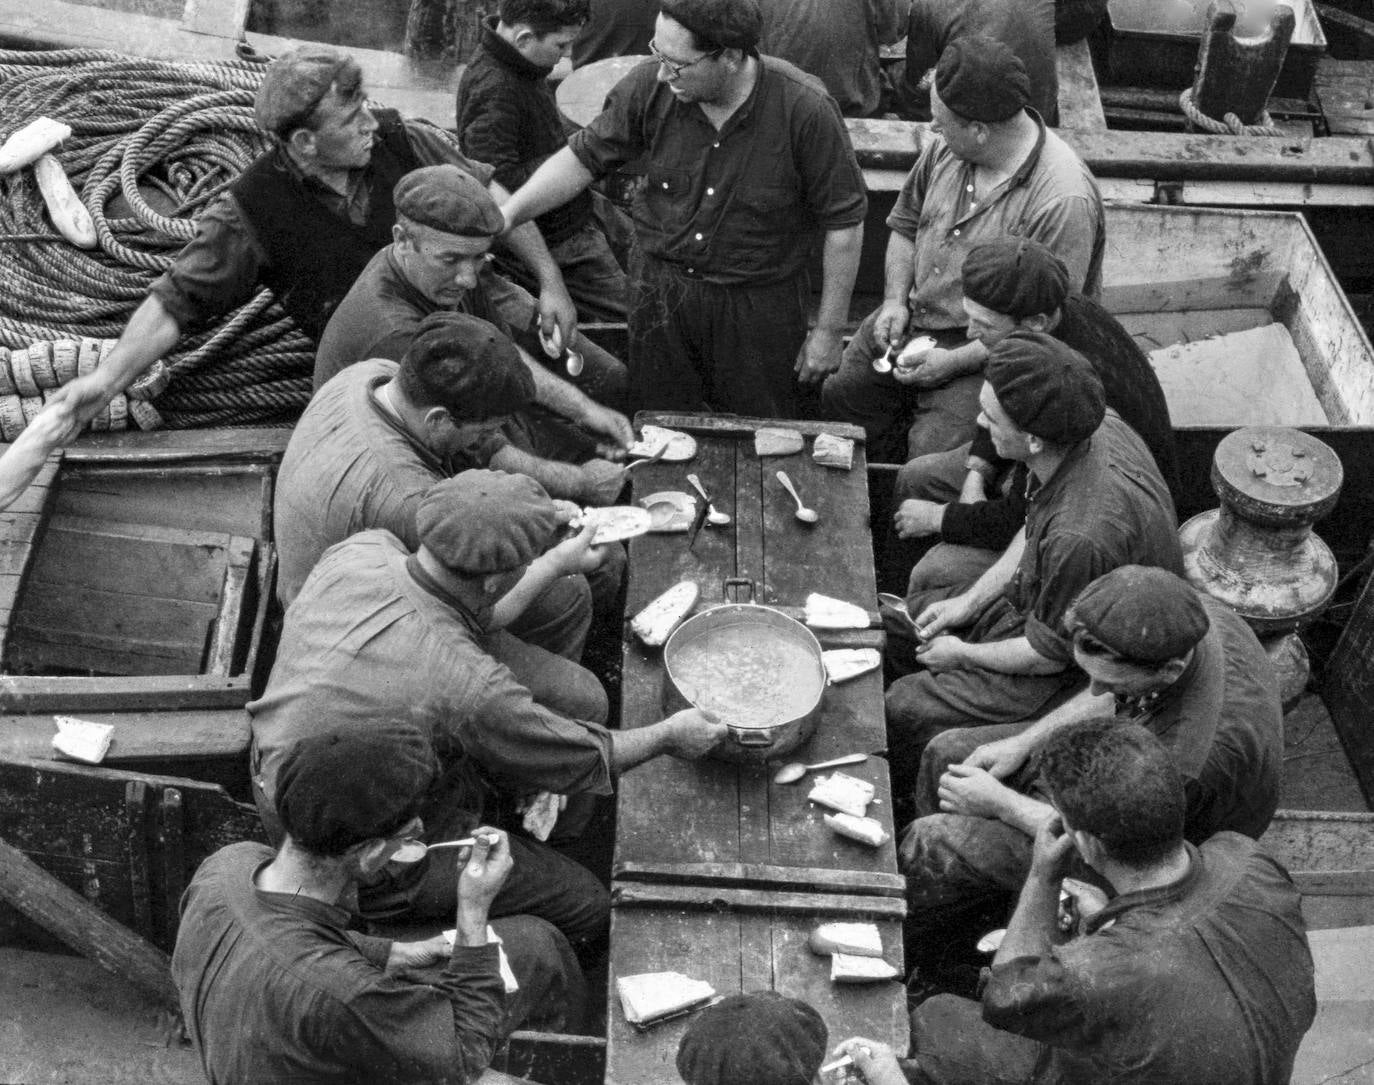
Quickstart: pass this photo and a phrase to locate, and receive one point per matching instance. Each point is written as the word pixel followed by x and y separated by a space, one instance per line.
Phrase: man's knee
pixel 938 476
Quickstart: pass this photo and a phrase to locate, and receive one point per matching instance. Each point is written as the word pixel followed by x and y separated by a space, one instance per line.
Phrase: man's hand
pixel 974 489
pixel 693 733
pixel 890 323
pixel 86 396
pixel 565 512
pixel 942 653
pixel 945 614
pixel 1000 758
pixel 576 554
pixel 1053 850
pixel 972 792
pixel 915 518
pixel 483 872
pixel 928 368
pixel 556 310
pixel 820 355
pixel 602 481
pixel 876 1061
pixel 611 424
pixel 417 954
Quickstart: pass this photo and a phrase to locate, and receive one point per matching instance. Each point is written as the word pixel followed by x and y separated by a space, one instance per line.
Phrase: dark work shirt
pixel 275 990
pixel 1132 390
pixel 742 205
pixel 1207 981
pixel 1223 723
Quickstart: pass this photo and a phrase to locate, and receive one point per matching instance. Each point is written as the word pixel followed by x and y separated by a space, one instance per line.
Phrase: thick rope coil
pixel 1231 126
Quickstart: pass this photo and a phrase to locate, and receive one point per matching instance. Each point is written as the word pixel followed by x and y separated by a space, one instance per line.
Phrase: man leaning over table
pixel 748 166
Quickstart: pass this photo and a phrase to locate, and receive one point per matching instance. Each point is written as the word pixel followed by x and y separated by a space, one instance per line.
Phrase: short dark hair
pixel 472 376
pixel 544 16
pixel 719 24
pixel 1117 781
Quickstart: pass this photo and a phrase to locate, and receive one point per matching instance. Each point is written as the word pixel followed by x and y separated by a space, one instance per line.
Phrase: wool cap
pixel 1015 276
pixel 466 365
pixel 1046 387
pixel 295 82
pixel 1143 614
pixel 447 199
pixel 760 1038
pixel 340 788
pixel 481 522
pixel 980 79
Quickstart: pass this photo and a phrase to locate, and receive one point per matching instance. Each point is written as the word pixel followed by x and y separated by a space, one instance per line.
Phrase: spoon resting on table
pixel 793 771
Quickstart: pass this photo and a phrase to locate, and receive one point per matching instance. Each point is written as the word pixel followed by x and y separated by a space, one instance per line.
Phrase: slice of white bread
pixel 842 664
pixel 825 612
pixel 865 830
pixel 775 441
pixel 653 996
pixel 856 939
pixel 656 622
pixel 831 451
pixel 846 968
pixel 842 792
pixel 82 740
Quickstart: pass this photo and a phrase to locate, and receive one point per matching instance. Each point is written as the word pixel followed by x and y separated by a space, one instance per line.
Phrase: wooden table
pixel 720 873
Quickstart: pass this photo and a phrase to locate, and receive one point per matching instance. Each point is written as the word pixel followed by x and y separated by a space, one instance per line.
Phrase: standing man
pixel 507 117
pixel 748 164
pixel 303 219
pixel 994 170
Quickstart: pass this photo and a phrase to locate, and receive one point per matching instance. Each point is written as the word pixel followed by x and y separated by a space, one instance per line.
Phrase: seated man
pixel 1197 969
pixel 759 1038
pixel 992 169
pixel 507 117
pixel 274 985
pixel 1096 502
pixel 1157 652
pixel 378 436
pixel 1011 283
pixel 380 633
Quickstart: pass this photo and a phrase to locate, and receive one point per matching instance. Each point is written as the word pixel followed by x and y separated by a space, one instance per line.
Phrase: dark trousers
pixel 695 345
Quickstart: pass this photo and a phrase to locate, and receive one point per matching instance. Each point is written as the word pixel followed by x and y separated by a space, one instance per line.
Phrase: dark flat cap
pixel 481 522
pixel 338 789
pixel 1046 387
pixel 295 82
pixel 447 199
pixel 980 79
pixel 468 366
pixel 1015 276
pixel 760 1038
pixel 1141 613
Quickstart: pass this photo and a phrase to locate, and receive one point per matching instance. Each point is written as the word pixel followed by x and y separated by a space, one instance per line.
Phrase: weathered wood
pixel 251 444
pixel 26 886
pixel 1348 690
pixel 20 526
pixel 221 18
pixel 1345 90
pixel 1080 103
pixel 121 694
pixel 1349 35
pixel 229 624
pixel 138 736
pixel 553 1056
pixel 737 425
pixel 772 901
pixel 762 876
pixel 1236 75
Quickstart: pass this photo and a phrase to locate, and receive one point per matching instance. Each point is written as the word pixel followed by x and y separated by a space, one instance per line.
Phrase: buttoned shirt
pixel 364 641
pixel 1051 198
pixel 738 205
pixel 276 990
pixel 1208 979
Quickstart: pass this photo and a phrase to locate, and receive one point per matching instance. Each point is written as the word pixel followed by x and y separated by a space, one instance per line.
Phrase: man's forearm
pixel 559 479
pixel 839 268
pixel 1034 925
pixel 1012 656
pixel 557 181
pixel 899 268
pixel 1083 705
pixel 1023 813
pixel 968 357
pixel 634 746
pixel 541 573
pixel 556 394
pixel 995 580
pixel 152 333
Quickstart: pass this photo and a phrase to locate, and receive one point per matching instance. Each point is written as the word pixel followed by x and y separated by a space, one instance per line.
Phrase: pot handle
pixel 748 736
pixel 737 582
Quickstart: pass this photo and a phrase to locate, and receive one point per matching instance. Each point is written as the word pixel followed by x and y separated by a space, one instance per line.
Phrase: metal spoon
pixel 713 515
pixel 883 362
pixel 793 771
pixel 805 515
pixel 412 851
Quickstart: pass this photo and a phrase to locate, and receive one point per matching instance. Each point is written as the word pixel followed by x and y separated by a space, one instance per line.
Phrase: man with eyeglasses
pixel 748 164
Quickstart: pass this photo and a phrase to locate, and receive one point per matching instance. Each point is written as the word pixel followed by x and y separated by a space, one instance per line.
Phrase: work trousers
pixel 901 422
pixel 698 346
pixel 951 1044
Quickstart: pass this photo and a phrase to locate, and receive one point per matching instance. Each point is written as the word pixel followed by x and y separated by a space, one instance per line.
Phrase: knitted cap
pixel 1046 387
pixel 1016 277
pixel 447 199
pixel 1144 614
pixel 338 789
pixel 760 1038
pixel 481 522
pixel 980 79
pixel 295 82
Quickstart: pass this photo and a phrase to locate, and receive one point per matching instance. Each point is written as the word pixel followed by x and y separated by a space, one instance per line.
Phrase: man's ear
pixel 1034 445
pixel 302 141
pixel 1036 322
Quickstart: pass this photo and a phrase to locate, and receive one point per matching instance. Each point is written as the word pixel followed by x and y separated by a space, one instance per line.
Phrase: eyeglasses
pixel 675 69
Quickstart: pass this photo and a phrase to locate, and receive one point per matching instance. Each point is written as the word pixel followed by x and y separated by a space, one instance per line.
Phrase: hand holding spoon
pixel 805 515
pixel 793 771
pixel 713 515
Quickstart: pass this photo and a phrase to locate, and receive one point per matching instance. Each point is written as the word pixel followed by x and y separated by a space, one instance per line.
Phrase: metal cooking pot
pixel 767 664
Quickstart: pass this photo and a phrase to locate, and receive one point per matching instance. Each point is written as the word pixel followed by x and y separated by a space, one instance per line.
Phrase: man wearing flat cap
pixel 379 632
pixel 748 168
pixel 302 220
pixel 759 1038
pixel 271 977
pixel 994 169
pixel 967 497
pixel 1095 501
pixel 437 262
pixel 1156 652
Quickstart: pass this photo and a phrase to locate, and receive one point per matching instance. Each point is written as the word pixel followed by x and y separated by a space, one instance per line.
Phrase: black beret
pixel 340 788
pixel 1046 387
pixel 468 366
pixel 760 1038
pixel 1141 613
pixel 980 79
pixel 295 82
pixel 481 522
pixel 1016 277
pixel 448 199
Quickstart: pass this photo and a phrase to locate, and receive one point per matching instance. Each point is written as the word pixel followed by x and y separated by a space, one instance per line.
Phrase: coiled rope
pixel 152 143
pixel 1230 125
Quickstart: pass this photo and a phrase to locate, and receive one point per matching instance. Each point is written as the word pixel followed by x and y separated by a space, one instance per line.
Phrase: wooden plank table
pixel 719 872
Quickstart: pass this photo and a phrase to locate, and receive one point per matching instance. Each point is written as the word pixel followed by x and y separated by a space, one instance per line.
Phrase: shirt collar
pixel 507 54
pixel 329 914
pixel 428 458
pixel 310 182
pixel 1161 894
pixel 476 620
pixel 1027 167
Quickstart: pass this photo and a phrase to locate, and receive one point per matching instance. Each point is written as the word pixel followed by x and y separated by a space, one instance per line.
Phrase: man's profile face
pixel 1107 675
pixel 342 131
pixel 963 137
pixel 546 50
pixel 456 436
pixel 986 325
pixel 443 267
pixel 1008 438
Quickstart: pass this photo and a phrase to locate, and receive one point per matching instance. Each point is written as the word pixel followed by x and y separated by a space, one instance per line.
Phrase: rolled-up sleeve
pixel 1036 997
pixel 1070 562
pixel 616 136
pixel 435 147
pixel 216 271
pixel 833 185
pixel 905 216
